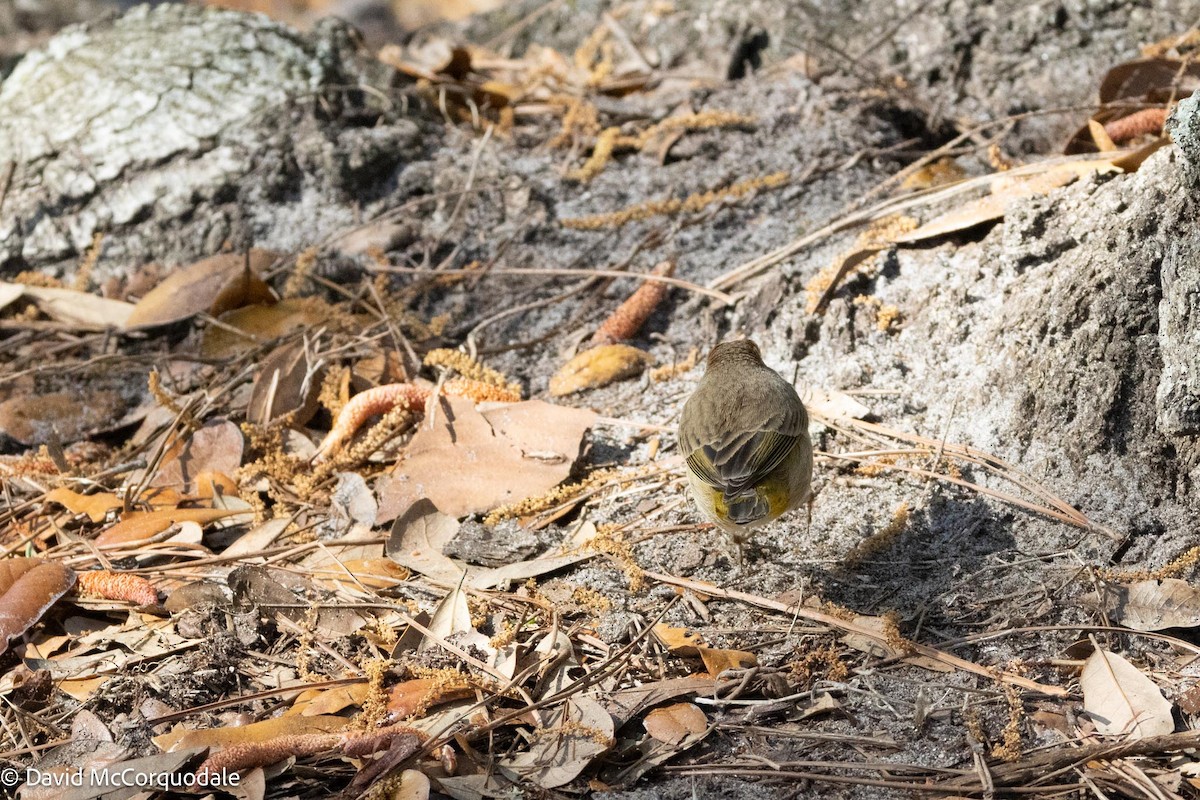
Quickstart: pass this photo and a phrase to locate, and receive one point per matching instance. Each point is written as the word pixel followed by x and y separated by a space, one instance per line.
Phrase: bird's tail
pixel 747 507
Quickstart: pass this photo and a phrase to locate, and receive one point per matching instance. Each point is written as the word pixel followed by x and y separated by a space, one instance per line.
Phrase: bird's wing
pixel 741 461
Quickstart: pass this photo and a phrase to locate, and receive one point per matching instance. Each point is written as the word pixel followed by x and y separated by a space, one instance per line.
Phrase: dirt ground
pixel 1058 339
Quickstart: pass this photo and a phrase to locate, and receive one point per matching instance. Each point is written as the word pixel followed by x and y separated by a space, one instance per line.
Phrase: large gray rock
pixel 189 125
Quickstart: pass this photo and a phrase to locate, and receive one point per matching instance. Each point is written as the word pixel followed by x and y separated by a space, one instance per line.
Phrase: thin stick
pixel 851 627
pixel 587 273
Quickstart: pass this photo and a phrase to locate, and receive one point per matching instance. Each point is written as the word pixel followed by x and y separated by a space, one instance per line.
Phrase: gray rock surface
pixel 229 127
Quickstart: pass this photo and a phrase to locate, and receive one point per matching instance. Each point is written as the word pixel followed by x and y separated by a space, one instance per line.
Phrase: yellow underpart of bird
pixel 744 433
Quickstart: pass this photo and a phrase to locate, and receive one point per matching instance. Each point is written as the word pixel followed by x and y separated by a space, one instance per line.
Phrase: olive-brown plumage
pixel 744 433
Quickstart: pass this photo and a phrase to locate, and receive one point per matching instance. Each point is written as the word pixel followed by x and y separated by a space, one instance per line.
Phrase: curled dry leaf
pixel 246 328
pixel 418 537
pixel 81 310
pixel 421 694
pixel 575 734
pixel 1121 700
pixel 138 526
pixel 680 641
pixel 212 285
pixel 598 367
pixel 28 587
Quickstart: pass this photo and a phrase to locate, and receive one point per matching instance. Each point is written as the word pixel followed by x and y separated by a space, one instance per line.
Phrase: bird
pixel 744 434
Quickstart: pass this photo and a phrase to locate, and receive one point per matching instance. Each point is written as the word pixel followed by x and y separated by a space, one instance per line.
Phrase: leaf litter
pixel 257 503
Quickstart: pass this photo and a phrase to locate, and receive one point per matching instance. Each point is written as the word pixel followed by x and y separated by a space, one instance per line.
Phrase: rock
pixel 199 125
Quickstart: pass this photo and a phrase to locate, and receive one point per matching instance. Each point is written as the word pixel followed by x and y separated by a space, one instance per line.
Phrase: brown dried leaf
pixel 256 324
pixel 1005 190
pixel 96 506
pixel 421 694
pixel 1154 80
pixel 598 367
pixel 574 735
pixel 28 588
pixel 470 462
pixel 418 537
pixel 1150 605
pixel 451 616
pixel 1121 700
pixel 288 382
pixel 680 641
pixel 717 661
pixel 64 417
pixel 673 724
pixel 81 310
pixel 137 526
pixel 215 448
pixel 212 285
pixel 181 738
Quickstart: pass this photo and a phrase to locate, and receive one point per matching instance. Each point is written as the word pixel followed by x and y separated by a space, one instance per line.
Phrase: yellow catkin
pixel 1009 749
pixel 298 281
pixel 375 704
pixel 1173 569
pixel 672 206
pixel 880 235
pixel 556 496
pixel 29 278
pixel 881 539
pixel 692 122
pixel 469 368
pixel 609 542
pixel 601 153
pixel 83 276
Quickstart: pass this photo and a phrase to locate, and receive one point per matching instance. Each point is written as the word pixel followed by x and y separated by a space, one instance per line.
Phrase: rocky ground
pixel 1059 339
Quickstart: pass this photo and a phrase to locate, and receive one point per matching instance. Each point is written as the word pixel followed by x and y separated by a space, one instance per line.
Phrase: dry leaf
pixel 451 616
pixel 1006 189
pixel 213 285
pixel 673 724
pixel 81 310
pixel 832 404
pixel 96 506
pixel 679 641
pixel 470 462
pixel 318 702
pixel 573 736
pixel 256 540
pixel 28 588
pixel 1121 700
pixel 352 505
pixel 572 551
pixel 419 695
pixel 417 539
pixel 1150 605
pixel 181 738
pixel 247 328
pixel 137 526
pixel 62 417
pixel 215 448
pixel 288 382
pixel 598 367
pixel 717 661
pixel 414 785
